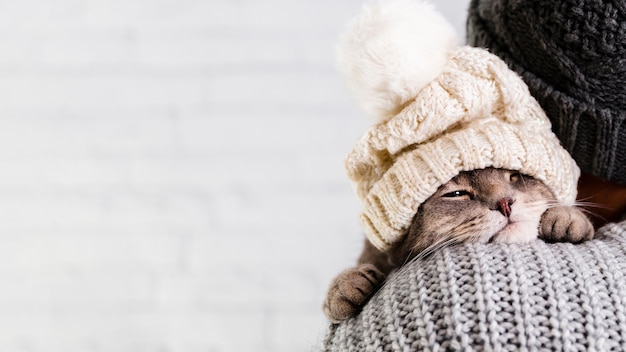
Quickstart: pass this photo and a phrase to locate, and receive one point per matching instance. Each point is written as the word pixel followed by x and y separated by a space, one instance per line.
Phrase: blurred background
pixel 171 173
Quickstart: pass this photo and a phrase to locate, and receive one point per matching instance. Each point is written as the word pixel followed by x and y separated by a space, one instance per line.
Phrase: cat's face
pixel 487 205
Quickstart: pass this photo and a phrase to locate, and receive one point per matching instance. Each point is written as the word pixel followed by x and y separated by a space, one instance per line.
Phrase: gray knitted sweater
pixel 496 297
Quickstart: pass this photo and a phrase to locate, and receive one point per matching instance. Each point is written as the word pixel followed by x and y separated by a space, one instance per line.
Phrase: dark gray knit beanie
pixel 572 55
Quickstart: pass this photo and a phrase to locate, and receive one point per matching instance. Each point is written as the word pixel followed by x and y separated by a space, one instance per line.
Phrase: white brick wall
pixel 171 173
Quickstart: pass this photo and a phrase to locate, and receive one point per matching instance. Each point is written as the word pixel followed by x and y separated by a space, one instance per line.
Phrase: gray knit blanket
pixel 498 297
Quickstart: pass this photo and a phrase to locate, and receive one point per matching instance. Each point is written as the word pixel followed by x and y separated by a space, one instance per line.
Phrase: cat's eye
pixel 459 194
pixel 516 176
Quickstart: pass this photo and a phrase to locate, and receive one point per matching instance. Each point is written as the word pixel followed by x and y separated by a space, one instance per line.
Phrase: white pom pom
pixel 392 50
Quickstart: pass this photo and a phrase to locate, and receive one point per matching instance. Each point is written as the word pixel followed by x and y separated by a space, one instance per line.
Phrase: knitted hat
pixel 572 55
pixel 440 110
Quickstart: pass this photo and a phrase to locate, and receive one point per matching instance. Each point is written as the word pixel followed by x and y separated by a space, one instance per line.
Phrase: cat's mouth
pixel 509 228
pixel 518 231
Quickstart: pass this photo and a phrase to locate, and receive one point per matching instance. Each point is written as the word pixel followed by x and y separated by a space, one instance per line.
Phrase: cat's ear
pixel 392 50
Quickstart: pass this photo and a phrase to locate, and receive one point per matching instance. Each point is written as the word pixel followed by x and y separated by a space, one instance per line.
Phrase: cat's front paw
pixel 349 292
pixel 565 224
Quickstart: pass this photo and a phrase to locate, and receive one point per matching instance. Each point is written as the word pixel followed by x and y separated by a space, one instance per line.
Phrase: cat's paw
pixel 349 292
pixel 565 224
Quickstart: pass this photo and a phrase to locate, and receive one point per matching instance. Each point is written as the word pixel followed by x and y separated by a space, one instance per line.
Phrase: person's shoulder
pixel 615 231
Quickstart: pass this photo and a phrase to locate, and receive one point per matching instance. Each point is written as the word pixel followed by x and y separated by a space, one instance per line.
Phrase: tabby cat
pixel 487 205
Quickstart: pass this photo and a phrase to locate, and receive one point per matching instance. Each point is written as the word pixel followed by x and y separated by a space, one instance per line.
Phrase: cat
pixel 486 205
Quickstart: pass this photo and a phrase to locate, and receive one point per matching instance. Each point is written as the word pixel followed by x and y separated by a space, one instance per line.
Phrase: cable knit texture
pixel 571 54
pixel 499 297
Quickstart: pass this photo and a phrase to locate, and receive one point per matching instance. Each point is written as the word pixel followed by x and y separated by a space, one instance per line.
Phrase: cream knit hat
pixel 441 109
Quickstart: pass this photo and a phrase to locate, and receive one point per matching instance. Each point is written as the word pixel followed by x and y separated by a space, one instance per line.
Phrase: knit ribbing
pixel 571 55
pixel 496 297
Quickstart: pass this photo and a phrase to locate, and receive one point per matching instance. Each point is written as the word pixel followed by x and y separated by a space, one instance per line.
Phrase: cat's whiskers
pixel 445 242
pixel 538 206
pixel 554 203
pixel 430 250
pixel 522 177
pixel 463 230
pixel 585 208
pixel 439 244
pixel 408 257
pixel 582 205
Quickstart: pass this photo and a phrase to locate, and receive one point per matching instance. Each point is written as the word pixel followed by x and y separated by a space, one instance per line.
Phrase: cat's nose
pixel 504 206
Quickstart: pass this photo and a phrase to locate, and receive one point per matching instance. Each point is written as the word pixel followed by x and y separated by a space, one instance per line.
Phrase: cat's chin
pixel 516 232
